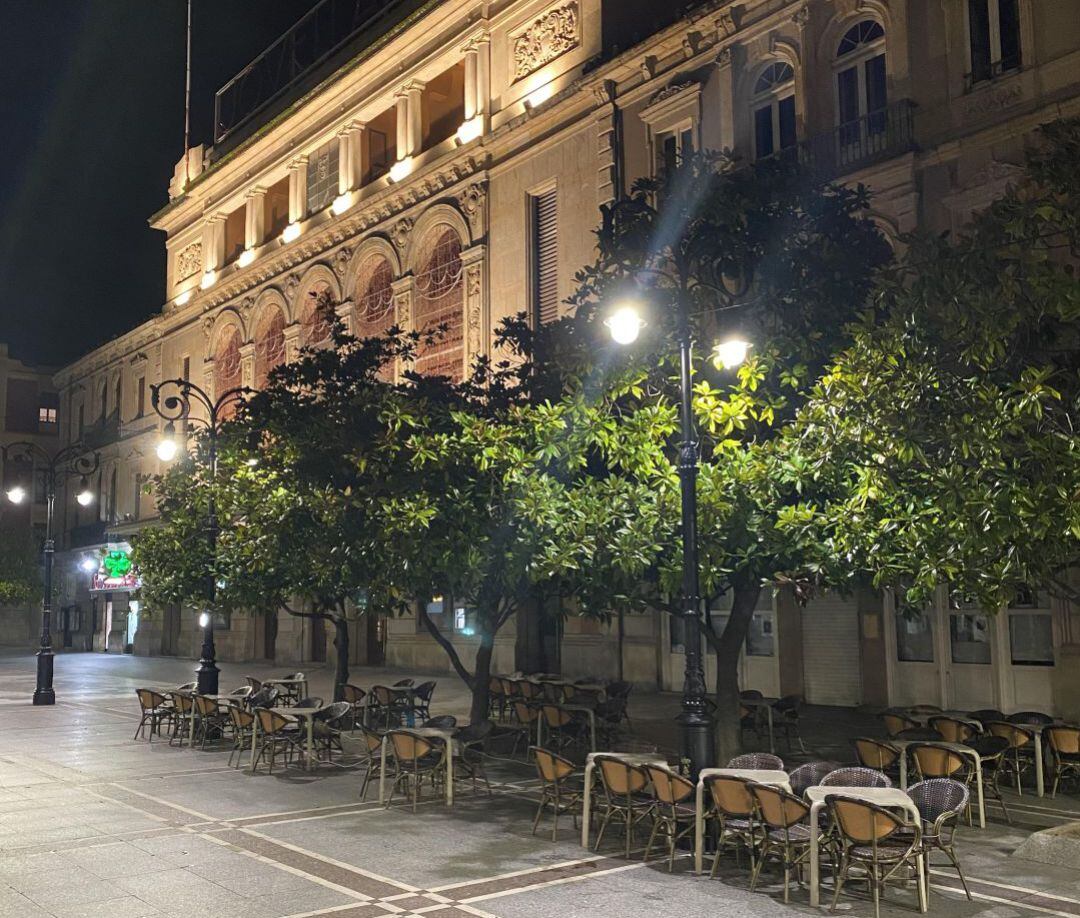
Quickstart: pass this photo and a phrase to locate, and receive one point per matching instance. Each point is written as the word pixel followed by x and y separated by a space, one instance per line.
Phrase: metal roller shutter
pixel 831 667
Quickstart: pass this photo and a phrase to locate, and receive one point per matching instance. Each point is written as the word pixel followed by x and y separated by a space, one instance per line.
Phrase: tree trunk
pixel 341 643
pixel 481 679
pixel 729 647
pixel 622 641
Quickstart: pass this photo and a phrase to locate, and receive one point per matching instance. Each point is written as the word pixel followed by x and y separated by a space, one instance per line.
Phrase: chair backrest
pixel 990 747
pixel 495 687
pixel 668 786
pixel 240 718
pixel 875 754
pixel 206 707
pixel 181 701
pixel 243 691
pixel 986 714
pixel 937 796
pixel 266 697
pixel 731 795
pixel 951 729
pixel 334 713
pixel 294 676
pixel 936 761
pixel 925 709
pixel 762 760
pixel 618 777
pixel 371 740
pixel 383 695
pixel 187 687
pixel 551 767
pixel 425 690
pixel 404 683
pixel 254 683
pixel 789 706
pixel 1029 717
pixel 1017 736
pixel 1065 740
pixel 862 822
pixel 556 692
pixel 509 687
pixel 554 716
pixel 896 723
pixel 526 713
pixel 528 689
pixel 809 775
pixel 149 699
pixel 779 809
pixel 408 747
pixel 271 722
pixel 751 695
pixel 353 693
pixel 444 721
pixel 856 777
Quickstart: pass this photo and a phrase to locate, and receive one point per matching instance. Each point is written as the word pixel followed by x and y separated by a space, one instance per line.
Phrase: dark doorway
pixel 376 638
pixel 318 640
pixel 270 627
pixel 170 631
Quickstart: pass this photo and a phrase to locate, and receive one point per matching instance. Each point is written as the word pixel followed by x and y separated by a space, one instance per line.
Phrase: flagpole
pixel 187 101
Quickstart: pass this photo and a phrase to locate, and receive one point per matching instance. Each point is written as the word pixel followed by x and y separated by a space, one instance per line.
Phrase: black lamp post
pixel 177 407
pixel 625 324
pixel 70 462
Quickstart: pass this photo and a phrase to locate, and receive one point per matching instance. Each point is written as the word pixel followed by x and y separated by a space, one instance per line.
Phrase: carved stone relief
pixel 984 103
pixel 401 232
pixel 547 38
pixel 189 261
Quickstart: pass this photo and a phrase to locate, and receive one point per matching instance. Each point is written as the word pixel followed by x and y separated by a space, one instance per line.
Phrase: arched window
pixel 317 316
pixel 374 297
pixel 269 346
pixel 774 109
pixel 227 373
pixel 440 301
pixel 860 82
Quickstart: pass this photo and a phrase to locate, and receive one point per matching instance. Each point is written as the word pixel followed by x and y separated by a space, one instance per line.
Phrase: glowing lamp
pixel 17 494
pixel 183 299
pixel 731 353
pixel 85 497
pixel 625 324
pixel 208 279
pixel 341 204
pixel 401 169
pixel 204 619
pixel 166 448
pixel 246 258
pixel 539 96
pixel 470 129
pixel 291 233
pixel 89 565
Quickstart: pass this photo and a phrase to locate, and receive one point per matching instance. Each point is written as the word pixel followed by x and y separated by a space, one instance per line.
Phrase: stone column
pixel 483 76
pixel 471 88
pixel 255 218
pixel 247 364
pixel 350 156
pixel 213 242
pixel 726 84
pixel 401 100
pixel 414 107
pixel 292 342
pixel 298 189
pixel 476 325
pixel 403 305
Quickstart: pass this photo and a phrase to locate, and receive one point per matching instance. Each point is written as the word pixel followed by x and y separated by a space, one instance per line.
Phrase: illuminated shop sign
pixel 116 573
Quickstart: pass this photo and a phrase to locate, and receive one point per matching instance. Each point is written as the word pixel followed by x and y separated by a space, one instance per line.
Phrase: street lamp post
pixel 177 407
pixel 72 461
pixel 625 324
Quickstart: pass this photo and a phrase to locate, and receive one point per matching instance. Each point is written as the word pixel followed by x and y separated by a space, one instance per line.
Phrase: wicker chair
pixel 1021 743
pixel 156 710
pixel 310 701
pixel 355 696
pixel 1065 745
pixel 564 728
pixel 276 734
pixel 188 687
pixel 242 693
pixel 985 715
pixel 415 758
pixel 327 726
pixel 761 760
pixel 524 720
pixel 211 720
pixel 561 787
pixel 896 723
pixel 183 712
pixel 809 775
pixel 941 802
pixel 925 709
pixel 734 809
pixel 786 714
pixel 497 700
pixel 878 754
pixel 673 816
pixel 953 730
pixel 371 756
pixel 421 699
pixel 785 820
pixel 391 704
pixel 292 692
pixel 405 683
pixel 242 723
pixel 869 837
pixel 254 684
pixel 855 776
pixel 442 722
pixel 935 761
pixel 992 751
pixel 1030 717
pixel 470 756
pixel 625 800
pixel 266 697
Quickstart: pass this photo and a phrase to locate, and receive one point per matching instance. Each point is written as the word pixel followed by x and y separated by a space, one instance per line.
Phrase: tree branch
pixel 445 644
pixel 300 613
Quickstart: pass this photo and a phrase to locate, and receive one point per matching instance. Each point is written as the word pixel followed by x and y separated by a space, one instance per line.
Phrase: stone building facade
pixel 449 166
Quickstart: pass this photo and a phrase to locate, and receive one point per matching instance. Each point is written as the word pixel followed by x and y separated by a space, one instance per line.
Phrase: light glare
pixel 166 449
pixel 16 494
pixel 731 353
pixel 470 129
pixel 85 497
pixel 625 324
pixel 401 169
pixel 291 233
pixel 246 258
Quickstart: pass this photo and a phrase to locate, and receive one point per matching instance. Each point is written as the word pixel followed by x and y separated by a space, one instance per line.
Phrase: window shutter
pixel 546 256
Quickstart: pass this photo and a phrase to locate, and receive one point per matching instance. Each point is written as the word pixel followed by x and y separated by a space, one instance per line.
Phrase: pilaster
pixel 473 261
pixel 247 364
pixel 298 189
pixel 255 218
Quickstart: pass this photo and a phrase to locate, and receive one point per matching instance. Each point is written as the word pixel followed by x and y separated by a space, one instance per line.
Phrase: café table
pixel 307 718
pixel 575 708
pixel 960 749
pixel 446 734
pixel 889 797
pixel 289 684
pixel 636 759
pixel 772 776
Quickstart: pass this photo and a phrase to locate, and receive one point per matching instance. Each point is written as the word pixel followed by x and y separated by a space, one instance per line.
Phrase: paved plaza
pixel 94 823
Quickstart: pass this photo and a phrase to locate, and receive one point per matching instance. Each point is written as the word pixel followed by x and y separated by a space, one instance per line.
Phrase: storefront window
pixel 914 638
pixel 760 638
pixel 1031 639
pixel 970 637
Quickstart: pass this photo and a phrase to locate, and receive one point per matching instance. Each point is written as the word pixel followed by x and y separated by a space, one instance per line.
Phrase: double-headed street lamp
pixel 177 407
pixel 74 461
pixel 625 324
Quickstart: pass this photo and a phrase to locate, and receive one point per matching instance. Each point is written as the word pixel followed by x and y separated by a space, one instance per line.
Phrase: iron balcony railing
pixel 854 145
pixel 313 40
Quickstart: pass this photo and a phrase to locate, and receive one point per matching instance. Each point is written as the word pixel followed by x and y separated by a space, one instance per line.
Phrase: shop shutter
pixel 831 667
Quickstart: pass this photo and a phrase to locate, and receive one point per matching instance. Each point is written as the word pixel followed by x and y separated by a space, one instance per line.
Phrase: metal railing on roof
pixel 316 36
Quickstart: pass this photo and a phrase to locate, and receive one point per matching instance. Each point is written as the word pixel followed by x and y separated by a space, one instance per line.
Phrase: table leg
pixel 1040 779
pixel 592 730
pixel 923 880
pixel 699 825
pixel 815 857
pixel 979 790
pixel 254 742
pixel 382 771
pixel 772 743
pixel 903 768
pixel 310 743
pixel 586 803
pixel 449 773
pixel 191 735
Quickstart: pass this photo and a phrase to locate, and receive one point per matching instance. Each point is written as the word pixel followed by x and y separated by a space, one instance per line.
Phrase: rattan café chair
pixel 734 808
pixel 371 754
pixel 785 820
pixel 760 760
pixel 625 800
pixel 562 787
pixel 673 815
pixel 156 711
pixel 242 723
pixel 941 802
pixel 415 758
pixel 1065 745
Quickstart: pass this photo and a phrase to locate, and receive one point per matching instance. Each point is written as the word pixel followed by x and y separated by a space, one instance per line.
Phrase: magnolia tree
pixel 946 435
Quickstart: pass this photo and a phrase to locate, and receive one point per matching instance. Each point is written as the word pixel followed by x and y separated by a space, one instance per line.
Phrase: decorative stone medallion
pixel 546 38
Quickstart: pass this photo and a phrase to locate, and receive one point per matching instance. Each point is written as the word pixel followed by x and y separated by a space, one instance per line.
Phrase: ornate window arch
pixel 861 93
pixel 317 315
pixel 228 373
pixel 374 296
pixel 440 301
pixel 773 107
pixel 269 344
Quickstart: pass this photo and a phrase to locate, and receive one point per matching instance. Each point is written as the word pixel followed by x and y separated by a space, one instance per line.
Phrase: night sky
pixel 91 124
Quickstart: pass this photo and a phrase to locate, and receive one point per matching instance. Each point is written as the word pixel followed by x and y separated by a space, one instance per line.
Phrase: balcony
pixel 102 432
pixel 86 535
pixel 875 137
pixel 321 41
